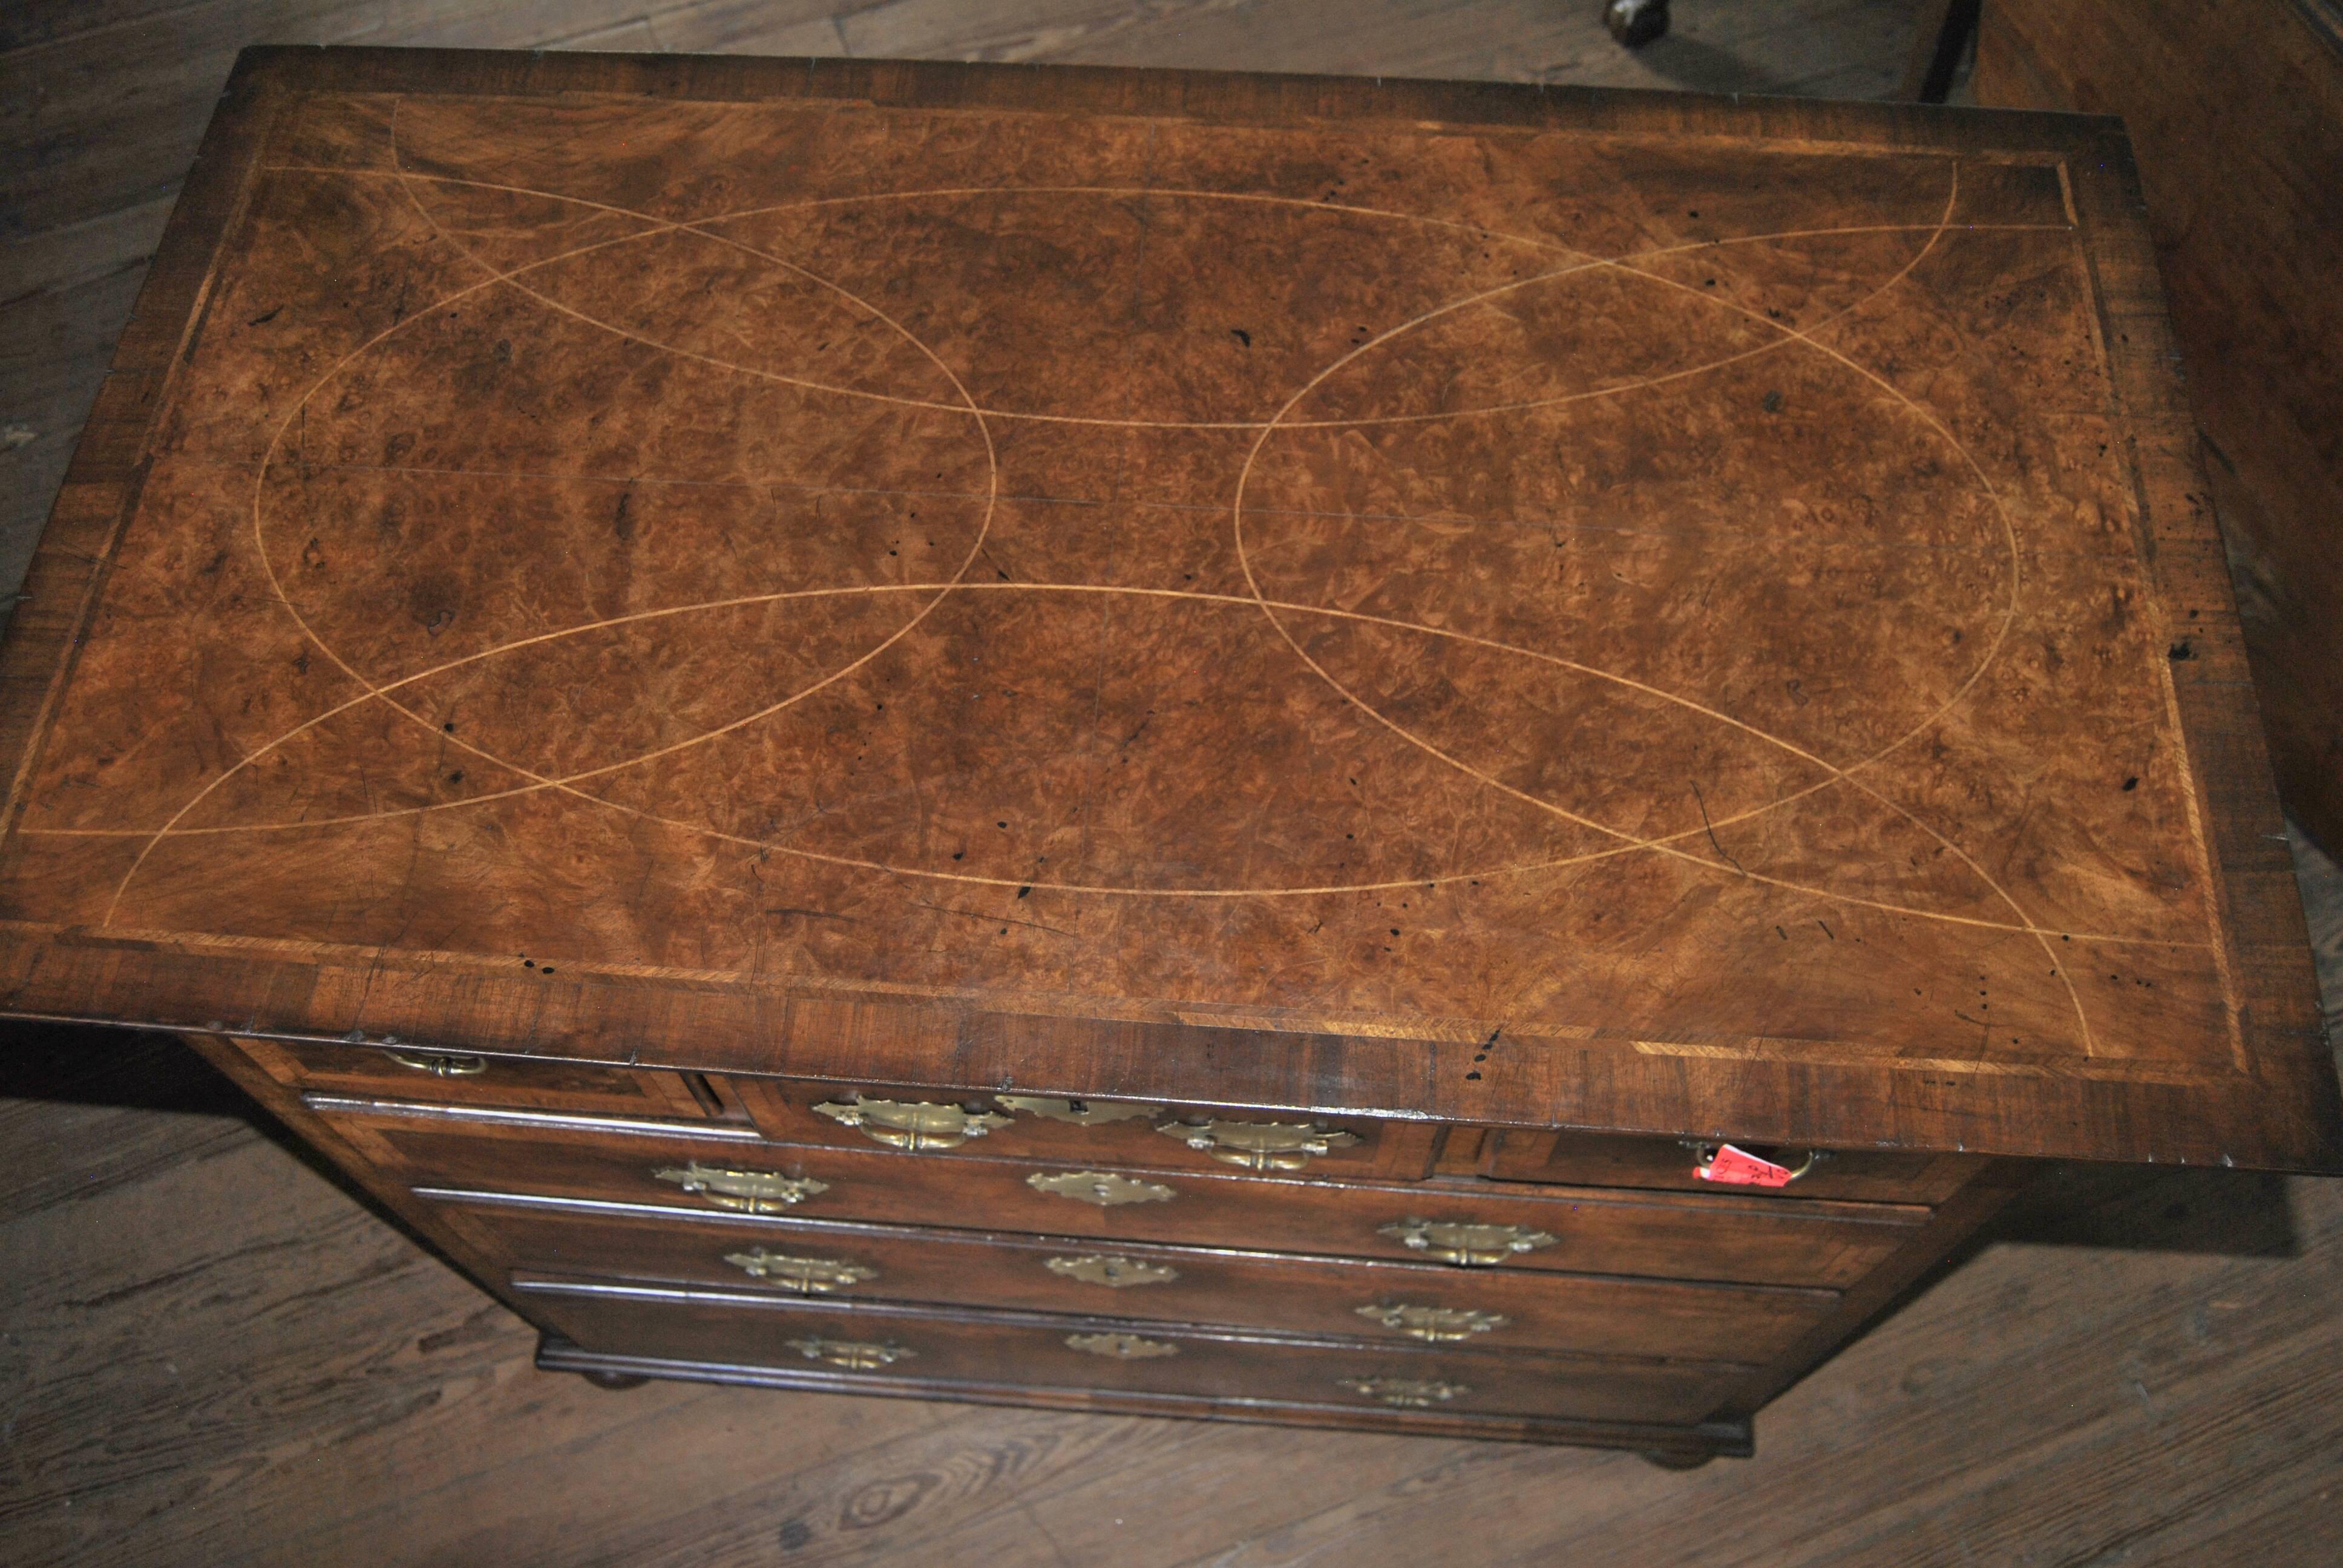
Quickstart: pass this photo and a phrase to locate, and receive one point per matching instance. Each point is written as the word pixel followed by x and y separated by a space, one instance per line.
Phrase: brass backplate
pixel 742 1192
pixel 912 1125
pixel 1406 1393
pixel 855 1355
pixel 1122 1347
pixel 1436 1325
pixel 1470 1245
pixel 1104 1188
pixel 1260 1145
pixel 1112 1269
pixel 807 1276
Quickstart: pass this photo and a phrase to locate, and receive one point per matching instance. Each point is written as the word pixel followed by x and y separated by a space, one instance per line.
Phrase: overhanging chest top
pixel 1630 611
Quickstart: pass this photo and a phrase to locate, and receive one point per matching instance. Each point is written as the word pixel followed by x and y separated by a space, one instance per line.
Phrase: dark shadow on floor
pixel 145 1069
pixel 1705 68
pixel 137 1070
pixel 2227 1213
pixel 2147 1209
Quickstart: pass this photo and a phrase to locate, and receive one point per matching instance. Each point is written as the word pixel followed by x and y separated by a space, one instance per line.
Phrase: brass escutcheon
pixel 855 1355
pixel 742 1192
pixel 1122 1347
pixel 1111 1270
pixel 806 1276
pixel 1258 1145
pixel 1103 1188
pixel 440 1063
pixel 912 1125
pixel 1080 1112
pixel 1467 1245
pixel 1406 1393
pixel 1437 1325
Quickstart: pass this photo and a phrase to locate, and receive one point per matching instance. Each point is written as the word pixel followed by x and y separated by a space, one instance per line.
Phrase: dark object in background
pixel 1635 23
pixel 1947 29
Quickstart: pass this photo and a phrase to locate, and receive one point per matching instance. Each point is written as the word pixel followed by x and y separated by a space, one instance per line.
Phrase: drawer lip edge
pixel 576 1287
pixel 615 1208
pixel 555 1120
pixel 1728 1437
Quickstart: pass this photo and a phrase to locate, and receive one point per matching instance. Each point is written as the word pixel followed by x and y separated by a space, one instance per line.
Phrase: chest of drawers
pixel 1452 759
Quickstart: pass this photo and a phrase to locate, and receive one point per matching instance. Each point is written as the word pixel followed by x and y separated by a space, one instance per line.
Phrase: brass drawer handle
pixel 1467 1246
pixel 806 1276
pixel 1080 1112
pixel 855 1355
pixel 1110 1270
pixel 1122 1347
pixel 441 1063
pixel 742 1192
pixel 1103 1188
pixel 1729 1165
pixel 1435 1325
pixel 1258 1145
pixel 912 1125
pixel 1407 1393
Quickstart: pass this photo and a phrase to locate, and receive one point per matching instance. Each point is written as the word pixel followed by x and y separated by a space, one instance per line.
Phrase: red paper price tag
pixel 1739 1168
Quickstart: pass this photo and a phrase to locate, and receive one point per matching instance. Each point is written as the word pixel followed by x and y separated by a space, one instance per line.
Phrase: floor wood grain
pixel 212 1353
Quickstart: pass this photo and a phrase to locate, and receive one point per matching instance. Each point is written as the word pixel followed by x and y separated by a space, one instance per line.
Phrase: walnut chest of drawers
pixel 1445 758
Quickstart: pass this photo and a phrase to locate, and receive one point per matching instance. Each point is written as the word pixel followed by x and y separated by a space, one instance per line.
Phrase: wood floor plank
pixel 2321 881
pixel 97 1108
pixel 2268 1524
pixel 1507 39
pixel 1843 47
pixel 64 306
pixel 1134 1505
pixel 26 27
pixel 70 1153
pixel 882 1489
pixel 525 1455
pixel 470 24
pixel 240 1342
pixel 791 27
pixel 81 89
pixel 151 1319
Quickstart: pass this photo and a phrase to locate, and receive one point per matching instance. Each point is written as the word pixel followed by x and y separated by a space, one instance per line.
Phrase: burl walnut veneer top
pixel 1587 608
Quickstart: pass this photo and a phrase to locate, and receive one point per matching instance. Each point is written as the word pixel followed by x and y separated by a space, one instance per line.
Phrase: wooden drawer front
pixel 1109 1134
pixel 1021 1350
pixel 1403 1302
pixel 1599 1159
pixel 460 1078
pixel 1595 1231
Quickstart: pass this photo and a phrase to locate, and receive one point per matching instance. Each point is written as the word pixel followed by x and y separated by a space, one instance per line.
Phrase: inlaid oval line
pixel 2001 633
pixel 980 415
pixel 705 228
pixel 260 542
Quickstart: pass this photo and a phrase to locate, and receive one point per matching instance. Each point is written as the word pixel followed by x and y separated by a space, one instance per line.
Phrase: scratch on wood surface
pixel 1710 827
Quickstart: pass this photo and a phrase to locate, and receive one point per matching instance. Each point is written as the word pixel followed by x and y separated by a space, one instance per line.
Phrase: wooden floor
pixel 211 1353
